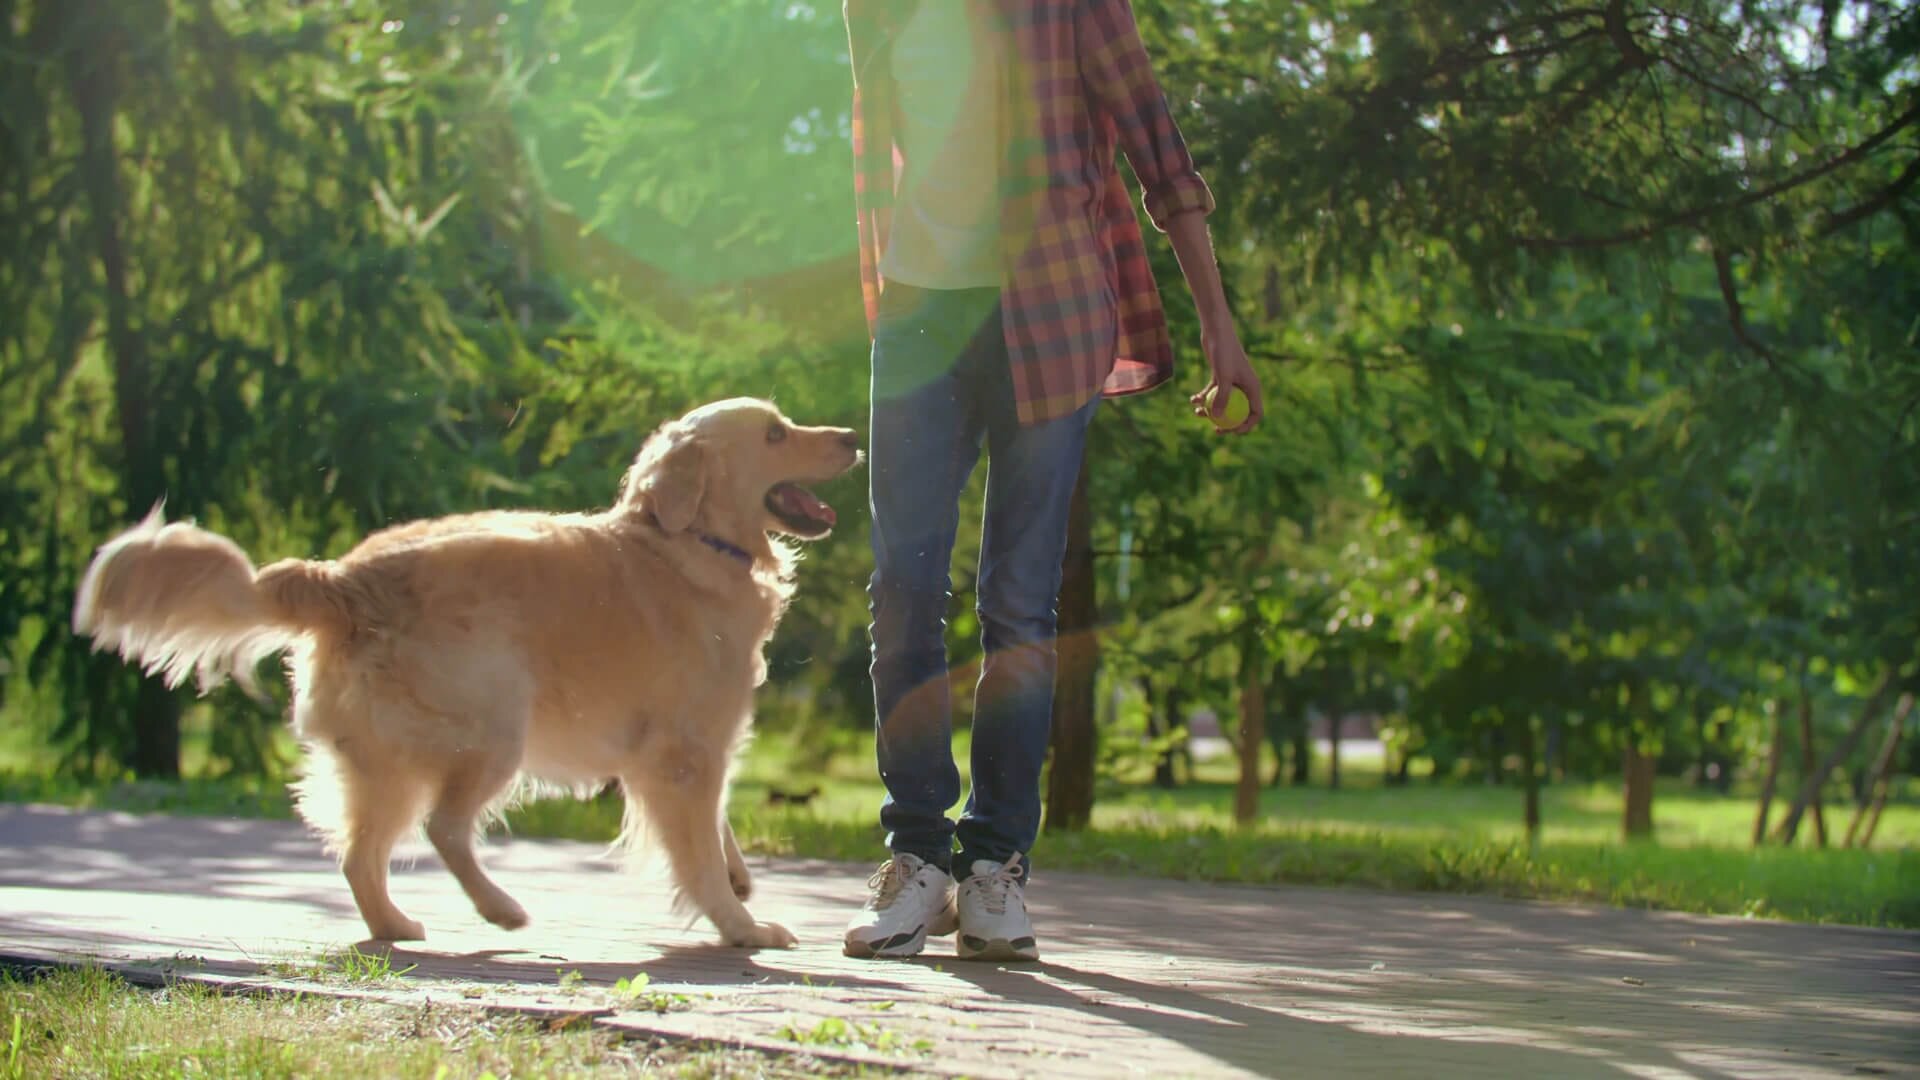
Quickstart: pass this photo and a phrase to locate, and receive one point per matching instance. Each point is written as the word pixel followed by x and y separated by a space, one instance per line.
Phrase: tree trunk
pixel 93 75
pixel 1070 774
pixel 1704 772
pixel 1270 294
pixel 1637 821
pixel 1873 819
pixel 1807 765
pixel 156 732
pixel 1530 785
pixel 1253 722
pixel 1810 786
pixel 1335 716
pixel 1878 777
pixel 1860 783
pixel 1156 731
pixel 1393 767
pixel 1278 737
pixel 1279 725
pixel 1171 720
pixel 1776 749
pixel 1301 763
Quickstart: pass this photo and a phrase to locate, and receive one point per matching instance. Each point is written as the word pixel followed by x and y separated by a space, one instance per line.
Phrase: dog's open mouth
pixel 800 510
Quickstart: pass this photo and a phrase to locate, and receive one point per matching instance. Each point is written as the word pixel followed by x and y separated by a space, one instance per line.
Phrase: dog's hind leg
pixel 379 810
pixel 680 794
pixel 464 793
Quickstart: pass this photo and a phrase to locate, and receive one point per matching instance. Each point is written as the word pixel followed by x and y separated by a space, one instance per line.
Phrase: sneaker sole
pixel 899 946
pixel 973 948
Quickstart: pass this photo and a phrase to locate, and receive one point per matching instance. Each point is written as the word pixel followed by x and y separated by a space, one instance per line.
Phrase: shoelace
pixel 997 886
pixel 886 884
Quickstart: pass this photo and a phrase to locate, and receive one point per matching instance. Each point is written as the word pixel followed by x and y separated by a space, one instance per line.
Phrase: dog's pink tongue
pixel 805 503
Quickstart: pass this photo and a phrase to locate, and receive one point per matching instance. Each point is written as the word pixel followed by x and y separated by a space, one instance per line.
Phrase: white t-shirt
pixel 947 74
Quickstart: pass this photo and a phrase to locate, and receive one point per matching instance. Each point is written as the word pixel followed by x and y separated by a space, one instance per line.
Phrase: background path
pixel 1140 977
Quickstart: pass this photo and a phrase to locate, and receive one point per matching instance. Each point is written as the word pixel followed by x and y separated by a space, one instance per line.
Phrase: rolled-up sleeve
pixel 1118 73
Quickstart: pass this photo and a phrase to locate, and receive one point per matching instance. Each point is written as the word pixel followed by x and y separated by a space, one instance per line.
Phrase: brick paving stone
pixel 1141 977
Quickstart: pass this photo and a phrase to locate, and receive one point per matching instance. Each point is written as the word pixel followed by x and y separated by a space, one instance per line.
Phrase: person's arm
pixel 1193 246
pixel 1116 70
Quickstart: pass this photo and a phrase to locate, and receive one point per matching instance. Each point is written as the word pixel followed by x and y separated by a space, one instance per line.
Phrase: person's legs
pixel 926 426
pixel 1030 480
pixel 926 429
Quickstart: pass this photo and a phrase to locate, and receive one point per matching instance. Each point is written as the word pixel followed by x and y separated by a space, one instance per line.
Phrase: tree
pixel 1587 332
pixel 1071 764
pixel 234 258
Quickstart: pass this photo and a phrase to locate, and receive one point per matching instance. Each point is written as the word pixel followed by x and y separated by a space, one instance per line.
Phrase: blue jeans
pixel 941 387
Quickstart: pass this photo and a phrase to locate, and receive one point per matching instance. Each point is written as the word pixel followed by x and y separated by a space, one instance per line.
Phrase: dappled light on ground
pixel 1170 977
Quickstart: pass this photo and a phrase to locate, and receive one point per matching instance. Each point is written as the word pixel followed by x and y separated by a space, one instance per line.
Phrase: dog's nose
pixel 850 440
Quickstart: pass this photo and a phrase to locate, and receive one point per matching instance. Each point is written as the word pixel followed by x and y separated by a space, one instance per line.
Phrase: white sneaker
pixel 993 914
pixel 910 899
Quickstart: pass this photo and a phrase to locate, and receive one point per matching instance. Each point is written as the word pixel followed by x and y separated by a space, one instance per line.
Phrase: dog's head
pixel 739 469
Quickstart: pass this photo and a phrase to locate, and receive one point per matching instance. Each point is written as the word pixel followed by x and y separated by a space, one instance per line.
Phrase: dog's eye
pixel 776 432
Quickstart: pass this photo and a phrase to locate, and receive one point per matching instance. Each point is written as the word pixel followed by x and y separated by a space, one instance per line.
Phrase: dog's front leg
pixel 680 795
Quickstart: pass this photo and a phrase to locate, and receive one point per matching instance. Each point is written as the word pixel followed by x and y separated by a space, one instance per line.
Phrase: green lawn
pixel 1426 837
pixel 86 1022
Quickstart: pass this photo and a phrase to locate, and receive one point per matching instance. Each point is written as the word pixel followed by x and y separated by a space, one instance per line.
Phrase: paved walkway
pixel 1141 977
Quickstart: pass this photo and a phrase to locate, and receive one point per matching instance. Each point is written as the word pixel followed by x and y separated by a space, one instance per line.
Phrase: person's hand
pixel 1231 369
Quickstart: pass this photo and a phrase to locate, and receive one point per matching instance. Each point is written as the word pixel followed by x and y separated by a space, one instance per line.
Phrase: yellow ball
pixel 1237 411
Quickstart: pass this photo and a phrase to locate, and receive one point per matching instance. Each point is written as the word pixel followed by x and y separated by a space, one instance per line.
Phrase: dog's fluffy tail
pixel 178 599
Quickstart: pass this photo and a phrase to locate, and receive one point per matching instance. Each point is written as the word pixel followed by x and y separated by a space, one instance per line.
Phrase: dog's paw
pixel 505 914
pixel 398 930
pixel 771 935
pixel 766 935
pixel 741 881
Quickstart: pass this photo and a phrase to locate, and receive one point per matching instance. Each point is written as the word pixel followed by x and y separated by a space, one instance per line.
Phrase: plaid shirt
pixel 1079 306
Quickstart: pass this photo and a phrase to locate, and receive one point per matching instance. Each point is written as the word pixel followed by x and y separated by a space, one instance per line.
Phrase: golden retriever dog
pixel 441 662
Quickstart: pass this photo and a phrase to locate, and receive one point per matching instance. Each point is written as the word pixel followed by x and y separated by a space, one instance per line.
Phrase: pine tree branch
pixel 1707 84
pixel 1879 201
pixel 1631 54
pixel 1736 314
pixel 1696 215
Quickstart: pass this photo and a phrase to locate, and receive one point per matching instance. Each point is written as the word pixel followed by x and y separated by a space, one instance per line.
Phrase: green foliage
pixel 16 1068
pixel 634 992
pixel 340 315
pixel 1613 320
pixel 695 145
pixel 1587 332
pixel 1435 840
pixel 842 1034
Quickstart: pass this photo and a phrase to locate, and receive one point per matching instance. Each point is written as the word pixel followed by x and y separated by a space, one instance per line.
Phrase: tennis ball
pixel 1238 409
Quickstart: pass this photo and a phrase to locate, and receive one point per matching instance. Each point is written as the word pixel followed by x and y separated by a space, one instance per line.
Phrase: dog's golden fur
pixel 440 661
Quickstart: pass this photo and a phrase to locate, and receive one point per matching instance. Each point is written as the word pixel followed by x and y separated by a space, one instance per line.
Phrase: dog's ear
pixel 669 480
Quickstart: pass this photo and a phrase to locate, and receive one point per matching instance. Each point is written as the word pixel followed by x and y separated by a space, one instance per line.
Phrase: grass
pixel 350 965
pixel 87 1022
pixel 226 797
pixel 835 1033
pixel 633 993
pixel 1872 888
pixel 1463 838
